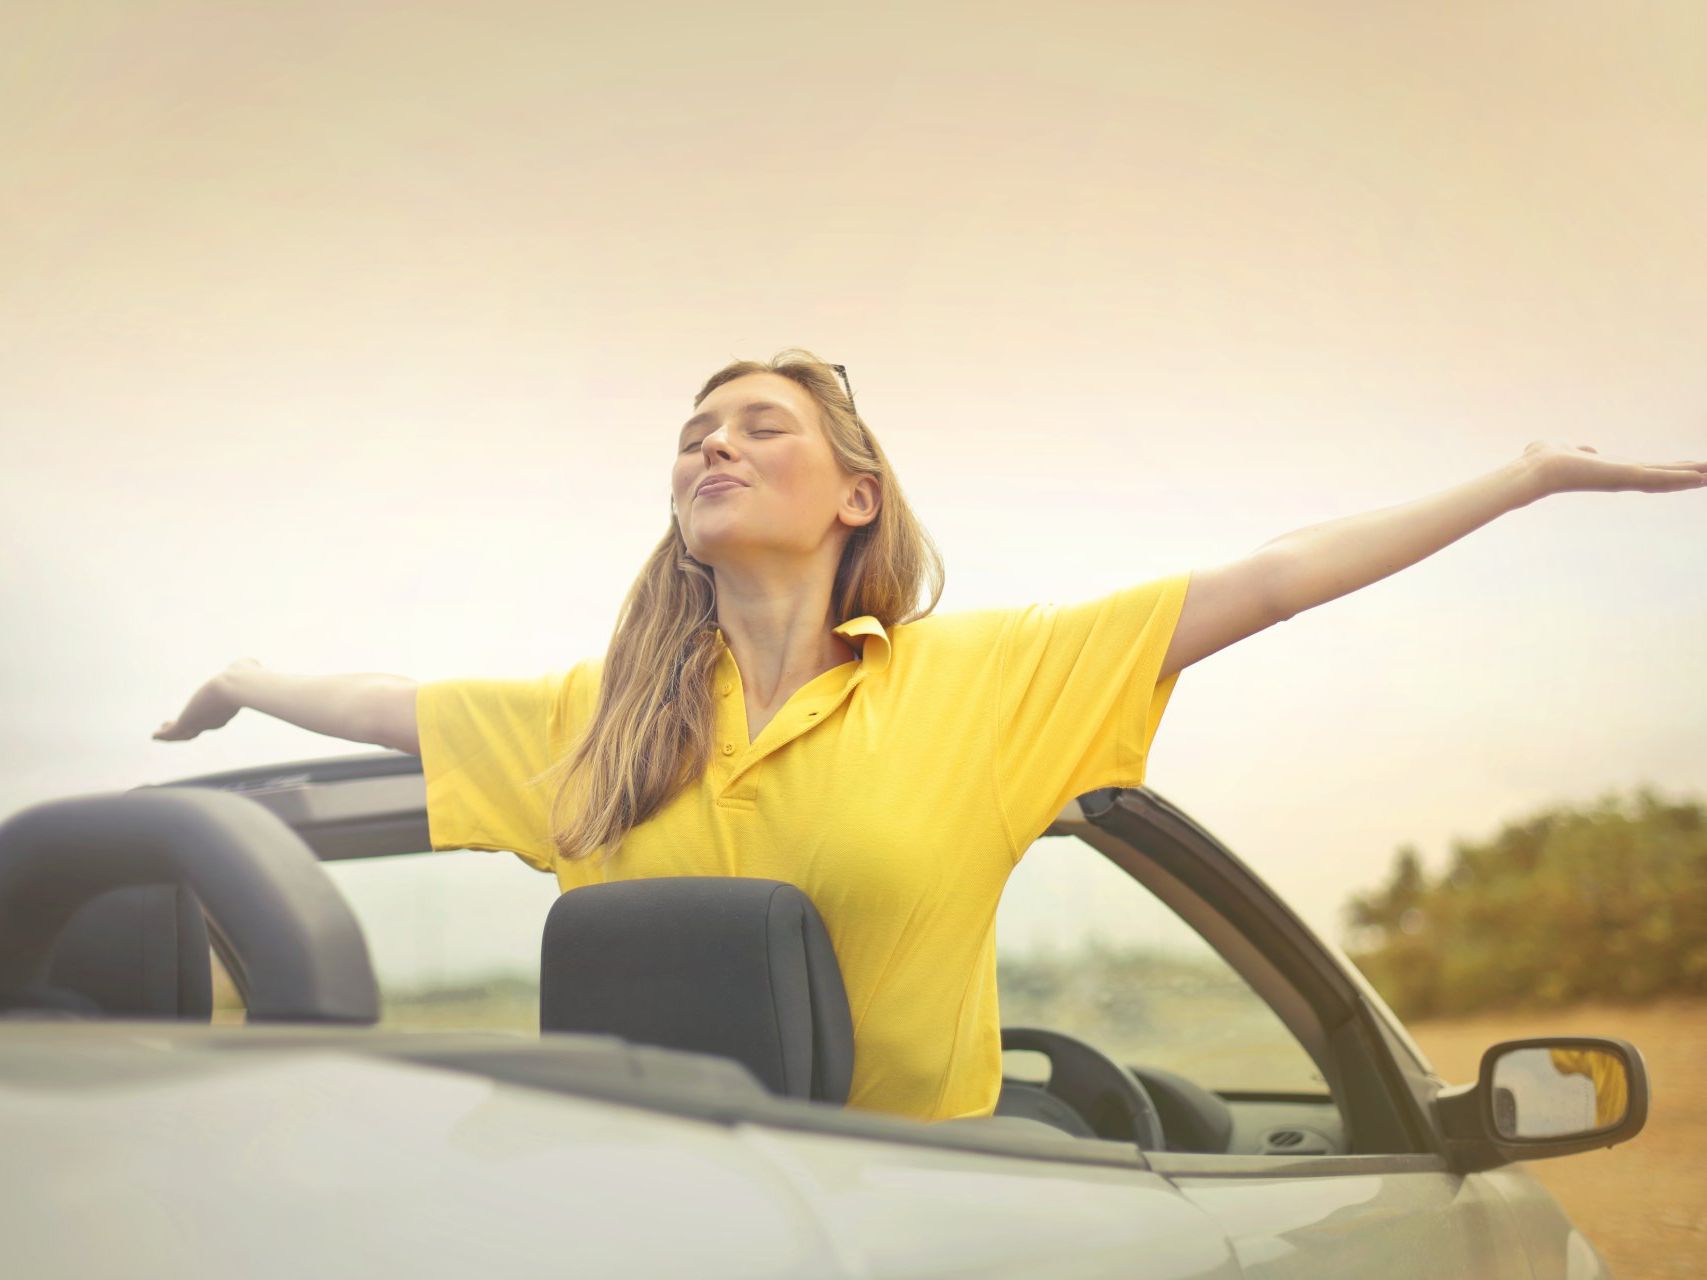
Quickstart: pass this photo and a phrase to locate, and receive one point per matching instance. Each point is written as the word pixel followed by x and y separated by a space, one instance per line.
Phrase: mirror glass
pixel 1557 1091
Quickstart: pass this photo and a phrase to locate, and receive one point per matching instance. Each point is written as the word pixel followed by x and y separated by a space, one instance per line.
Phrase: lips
pixel 717 484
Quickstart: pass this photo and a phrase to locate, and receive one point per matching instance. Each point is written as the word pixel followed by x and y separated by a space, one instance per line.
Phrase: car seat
pixel 140 951
pixel 738 967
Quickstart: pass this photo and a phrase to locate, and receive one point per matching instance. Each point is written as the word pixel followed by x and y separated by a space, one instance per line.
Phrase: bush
pixel 1603 903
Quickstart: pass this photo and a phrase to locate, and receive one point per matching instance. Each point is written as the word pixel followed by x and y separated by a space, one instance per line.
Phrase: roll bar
pixel 288 937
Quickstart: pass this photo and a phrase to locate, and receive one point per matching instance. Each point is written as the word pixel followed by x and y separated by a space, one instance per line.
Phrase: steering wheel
pixel 293 946
pixel 1109 1098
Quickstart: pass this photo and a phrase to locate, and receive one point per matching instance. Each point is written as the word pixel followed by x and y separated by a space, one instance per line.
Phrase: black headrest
pixel 733 966
pixel 140 951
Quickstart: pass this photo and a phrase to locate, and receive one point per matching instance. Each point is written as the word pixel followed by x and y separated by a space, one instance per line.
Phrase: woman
pixel 776 702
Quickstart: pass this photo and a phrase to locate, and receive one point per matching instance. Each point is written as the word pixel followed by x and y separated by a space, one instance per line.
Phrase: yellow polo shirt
pixel 1605 1072
pixel 897 790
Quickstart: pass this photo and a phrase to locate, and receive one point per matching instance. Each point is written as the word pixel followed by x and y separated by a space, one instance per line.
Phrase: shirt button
pixel 728 748
pixel 728 689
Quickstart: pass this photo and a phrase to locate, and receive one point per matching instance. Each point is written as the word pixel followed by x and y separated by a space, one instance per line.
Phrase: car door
pixel 1149 942
pixel 1399 1217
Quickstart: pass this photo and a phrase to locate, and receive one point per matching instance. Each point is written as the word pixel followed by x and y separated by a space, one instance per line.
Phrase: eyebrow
pixel 746 410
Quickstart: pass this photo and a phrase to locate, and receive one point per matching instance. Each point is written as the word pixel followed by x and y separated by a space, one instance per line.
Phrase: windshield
pixel 1085 949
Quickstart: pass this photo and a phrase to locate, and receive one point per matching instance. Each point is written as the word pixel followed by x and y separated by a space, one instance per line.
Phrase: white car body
pixel 324 1147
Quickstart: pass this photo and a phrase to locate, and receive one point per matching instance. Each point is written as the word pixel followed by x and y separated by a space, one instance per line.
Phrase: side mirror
pixel 1541 1097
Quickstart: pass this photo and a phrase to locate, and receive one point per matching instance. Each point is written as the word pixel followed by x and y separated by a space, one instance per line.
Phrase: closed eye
pixel 766 431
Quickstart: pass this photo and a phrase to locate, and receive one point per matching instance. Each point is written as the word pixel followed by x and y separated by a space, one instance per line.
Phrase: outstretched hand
pixel 209 707
pixel 1564 468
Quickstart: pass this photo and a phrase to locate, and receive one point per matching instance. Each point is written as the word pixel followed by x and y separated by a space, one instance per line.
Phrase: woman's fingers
pixel 1687 475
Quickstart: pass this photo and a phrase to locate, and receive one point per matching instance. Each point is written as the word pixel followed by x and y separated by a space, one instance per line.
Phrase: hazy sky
pixel 356 338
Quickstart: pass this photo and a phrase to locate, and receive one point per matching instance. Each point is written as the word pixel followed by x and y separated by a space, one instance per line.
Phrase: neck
pixel 780 632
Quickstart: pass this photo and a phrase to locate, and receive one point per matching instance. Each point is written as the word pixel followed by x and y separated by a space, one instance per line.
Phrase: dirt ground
pixel 1643 1203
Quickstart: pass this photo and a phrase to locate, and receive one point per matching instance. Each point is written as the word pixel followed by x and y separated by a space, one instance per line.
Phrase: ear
pixel 861 502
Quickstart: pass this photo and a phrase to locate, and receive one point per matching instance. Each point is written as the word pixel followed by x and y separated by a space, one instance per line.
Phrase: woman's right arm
pixel 363 707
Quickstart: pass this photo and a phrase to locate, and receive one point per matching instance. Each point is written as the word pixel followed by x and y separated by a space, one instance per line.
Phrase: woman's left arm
pixel 1322 562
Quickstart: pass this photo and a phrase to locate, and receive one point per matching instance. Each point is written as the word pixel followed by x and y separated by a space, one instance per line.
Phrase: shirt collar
pixel 874 654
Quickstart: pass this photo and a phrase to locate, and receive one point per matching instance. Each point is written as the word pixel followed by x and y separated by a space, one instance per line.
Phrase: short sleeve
pixel 481 741
pixel 1078 700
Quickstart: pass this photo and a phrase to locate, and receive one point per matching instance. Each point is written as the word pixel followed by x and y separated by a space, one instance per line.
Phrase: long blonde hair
pixel 652 730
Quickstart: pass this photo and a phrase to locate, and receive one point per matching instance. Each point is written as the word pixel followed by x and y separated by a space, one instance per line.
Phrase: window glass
pixel 227 1003
pixel 1085 949
pixel 453 936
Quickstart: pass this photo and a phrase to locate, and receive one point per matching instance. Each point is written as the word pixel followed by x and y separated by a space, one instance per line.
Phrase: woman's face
pixel 777 489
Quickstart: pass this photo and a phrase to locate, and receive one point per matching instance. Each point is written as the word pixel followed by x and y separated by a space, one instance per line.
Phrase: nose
pixel 715 444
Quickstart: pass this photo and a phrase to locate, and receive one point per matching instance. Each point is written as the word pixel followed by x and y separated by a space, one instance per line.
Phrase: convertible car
pixel 1231 1099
